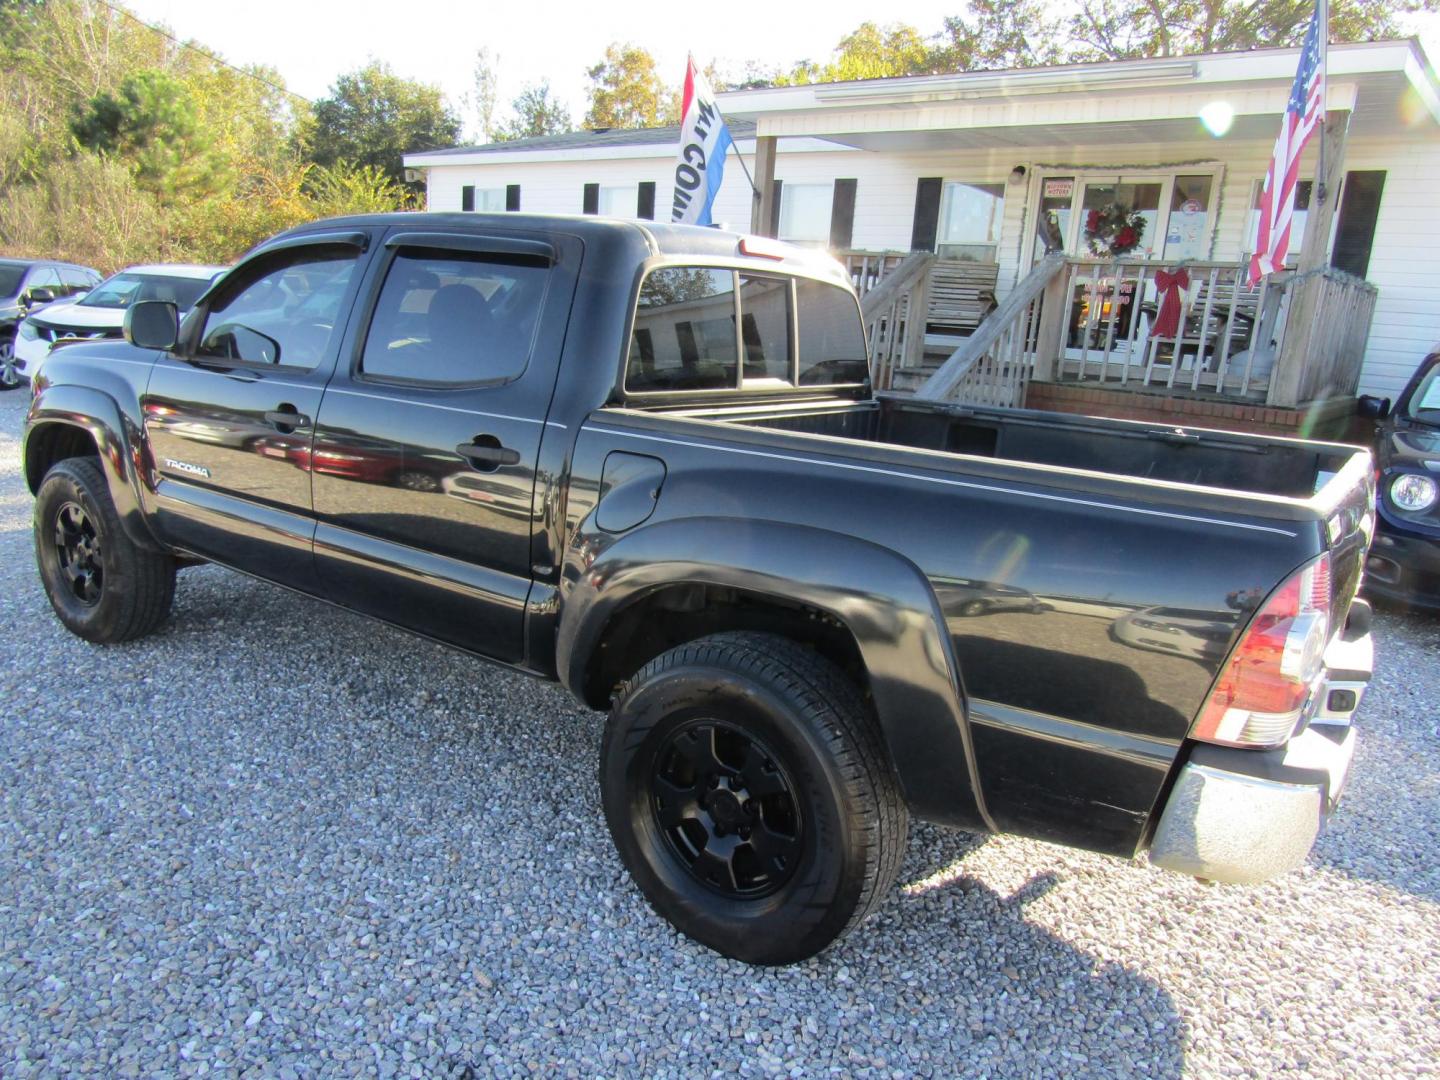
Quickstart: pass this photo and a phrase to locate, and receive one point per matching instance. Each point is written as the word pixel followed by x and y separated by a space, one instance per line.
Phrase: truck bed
pixel 1254 477
pixel 1257 465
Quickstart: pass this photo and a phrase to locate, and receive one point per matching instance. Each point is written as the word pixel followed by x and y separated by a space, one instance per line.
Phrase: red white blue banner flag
pixel 1305 110
pixel 700 163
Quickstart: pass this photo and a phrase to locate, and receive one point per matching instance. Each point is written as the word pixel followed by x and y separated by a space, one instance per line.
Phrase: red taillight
pixel 1262 692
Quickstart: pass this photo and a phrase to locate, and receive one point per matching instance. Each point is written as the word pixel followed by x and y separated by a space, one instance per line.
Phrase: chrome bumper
pixel 1242 816
pixel 1246 826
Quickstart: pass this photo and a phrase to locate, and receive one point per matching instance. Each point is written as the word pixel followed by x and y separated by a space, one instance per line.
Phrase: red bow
pixel 1171 284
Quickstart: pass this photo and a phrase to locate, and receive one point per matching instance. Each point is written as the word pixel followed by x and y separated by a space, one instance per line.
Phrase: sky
pixel 311 42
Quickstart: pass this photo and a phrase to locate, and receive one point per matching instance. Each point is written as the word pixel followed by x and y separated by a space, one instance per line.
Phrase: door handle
pixel 486 453
pixel 287 416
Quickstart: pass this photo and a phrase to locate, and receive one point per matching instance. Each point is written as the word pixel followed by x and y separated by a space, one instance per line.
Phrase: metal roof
pixel 600 138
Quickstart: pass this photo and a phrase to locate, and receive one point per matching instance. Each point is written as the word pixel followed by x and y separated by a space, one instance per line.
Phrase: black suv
pixel 26 284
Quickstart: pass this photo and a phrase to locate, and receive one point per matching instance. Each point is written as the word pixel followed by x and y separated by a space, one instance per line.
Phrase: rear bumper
pixel 1243 816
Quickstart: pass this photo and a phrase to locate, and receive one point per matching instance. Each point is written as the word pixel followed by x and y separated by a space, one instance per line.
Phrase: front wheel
pixel 103 587
pixel 750 796
pixel 10 376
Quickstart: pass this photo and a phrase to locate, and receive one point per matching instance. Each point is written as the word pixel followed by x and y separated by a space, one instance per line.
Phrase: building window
pixel 1298 216
pixel 490 200
pixel 970 220
pixel 805 213
pixel 618 200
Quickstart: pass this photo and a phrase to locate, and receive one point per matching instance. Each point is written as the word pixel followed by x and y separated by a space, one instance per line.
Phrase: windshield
pixel 1424 404
pixel 10 278
pixel 122 290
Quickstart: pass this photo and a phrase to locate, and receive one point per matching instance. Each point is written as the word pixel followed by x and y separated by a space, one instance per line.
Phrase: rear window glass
pixel 765 320
pixel 832 342
pixel 684 335
pixel 684 331
pixel 455 318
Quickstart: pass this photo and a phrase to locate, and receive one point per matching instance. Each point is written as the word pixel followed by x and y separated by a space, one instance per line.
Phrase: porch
pixel 1193 331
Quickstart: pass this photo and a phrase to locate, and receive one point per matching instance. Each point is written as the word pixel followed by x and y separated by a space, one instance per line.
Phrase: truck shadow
pixel 1032 1002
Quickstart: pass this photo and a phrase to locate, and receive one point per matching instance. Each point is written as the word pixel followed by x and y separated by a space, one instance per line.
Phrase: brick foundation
pixel 1329 419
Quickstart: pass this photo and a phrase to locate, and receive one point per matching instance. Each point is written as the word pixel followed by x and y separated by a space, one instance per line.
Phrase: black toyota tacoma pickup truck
pixel 646 461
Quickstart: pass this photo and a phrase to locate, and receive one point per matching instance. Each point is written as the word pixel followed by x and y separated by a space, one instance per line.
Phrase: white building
pixel 994 167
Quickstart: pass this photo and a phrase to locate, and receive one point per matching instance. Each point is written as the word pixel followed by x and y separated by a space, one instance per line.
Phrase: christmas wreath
pixel 1113 230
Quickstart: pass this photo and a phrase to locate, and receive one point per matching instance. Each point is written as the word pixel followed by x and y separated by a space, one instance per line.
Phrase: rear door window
pixel 455 318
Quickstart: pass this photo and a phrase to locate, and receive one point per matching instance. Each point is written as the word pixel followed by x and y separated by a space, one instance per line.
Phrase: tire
pixel 412 480
pixel 800 832
pixel 10 378
pixel 103 587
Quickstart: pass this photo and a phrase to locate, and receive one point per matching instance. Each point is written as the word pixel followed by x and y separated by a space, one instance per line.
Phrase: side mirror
pixel 40 295
pixel 1373 408
pixel 152 324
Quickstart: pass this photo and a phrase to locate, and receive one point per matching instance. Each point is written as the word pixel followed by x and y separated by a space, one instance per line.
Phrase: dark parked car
pixel 683 502
pixel 1404 562
pixel 28 284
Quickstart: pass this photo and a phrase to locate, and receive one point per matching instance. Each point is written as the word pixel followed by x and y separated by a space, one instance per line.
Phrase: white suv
pixel 101 312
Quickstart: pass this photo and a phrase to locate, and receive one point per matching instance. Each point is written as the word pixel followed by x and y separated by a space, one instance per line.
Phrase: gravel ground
pixel 276 839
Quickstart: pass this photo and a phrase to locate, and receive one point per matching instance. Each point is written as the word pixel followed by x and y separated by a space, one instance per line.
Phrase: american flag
pixel 1305 109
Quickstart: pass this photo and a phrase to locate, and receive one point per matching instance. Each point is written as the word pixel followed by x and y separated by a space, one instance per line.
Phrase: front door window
pixel 1137 200
pixel 1187 235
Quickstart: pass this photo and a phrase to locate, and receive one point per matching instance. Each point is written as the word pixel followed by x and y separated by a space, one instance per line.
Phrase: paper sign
pixel 1059 189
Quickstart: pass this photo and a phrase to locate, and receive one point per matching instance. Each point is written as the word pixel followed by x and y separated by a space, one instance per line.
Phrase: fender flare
pixel 117 439
pixel 883 599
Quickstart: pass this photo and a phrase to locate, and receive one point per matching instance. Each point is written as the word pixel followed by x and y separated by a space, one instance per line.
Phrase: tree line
pixel 120 143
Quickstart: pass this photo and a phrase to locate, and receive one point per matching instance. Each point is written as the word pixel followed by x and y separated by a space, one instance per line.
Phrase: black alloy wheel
pixel 103 586
pixel 727 808
pixel 750 795
pixel 77 547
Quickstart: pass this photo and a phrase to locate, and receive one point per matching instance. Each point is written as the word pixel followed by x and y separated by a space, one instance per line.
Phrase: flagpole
pixel 754 190
pixel 1324 44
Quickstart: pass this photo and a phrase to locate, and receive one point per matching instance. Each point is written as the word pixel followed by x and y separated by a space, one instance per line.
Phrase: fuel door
pixel 629 489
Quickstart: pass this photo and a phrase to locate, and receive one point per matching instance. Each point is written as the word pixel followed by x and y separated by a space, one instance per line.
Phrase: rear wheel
pixel 750 796
pixel 103 587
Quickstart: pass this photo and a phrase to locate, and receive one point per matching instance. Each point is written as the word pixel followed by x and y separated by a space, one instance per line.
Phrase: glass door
pixel 1108 200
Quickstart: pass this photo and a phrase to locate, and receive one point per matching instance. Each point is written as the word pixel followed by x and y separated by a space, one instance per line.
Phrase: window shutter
pixel 591 205
pixel 645 201
pixel 776 187
pixel 842 215
pixel 467 198
pixel 927 214
pixel 512 197
pixel 1355 232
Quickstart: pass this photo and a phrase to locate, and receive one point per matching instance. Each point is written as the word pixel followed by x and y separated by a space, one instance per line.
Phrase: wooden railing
pixel 1283 341
pixel 894 312
pixel 995 363
pixel 1324 339
pixel 868 268
pixel 1223 339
